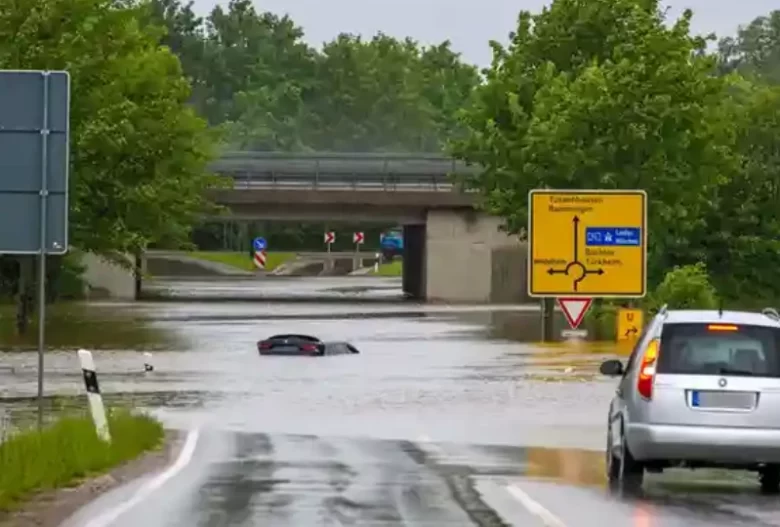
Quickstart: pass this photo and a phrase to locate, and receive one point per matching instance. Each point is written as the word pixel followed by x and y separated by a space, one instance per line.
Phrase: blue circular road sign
pixel 259 244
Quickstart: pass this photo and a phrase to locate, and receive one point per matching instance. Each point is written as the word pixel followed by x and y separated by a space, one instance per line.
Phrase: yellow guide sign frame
pixel 587 243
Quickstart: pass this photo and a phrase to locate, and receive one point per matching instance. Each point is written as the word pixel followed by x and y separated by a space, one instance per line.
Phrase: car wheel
pixel 625 474
pixel 612 464
pixel 769 478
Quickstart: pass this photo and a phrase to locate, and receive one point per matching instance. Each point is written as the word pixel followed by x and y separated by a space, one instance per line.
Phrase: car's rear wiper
pixel 729 371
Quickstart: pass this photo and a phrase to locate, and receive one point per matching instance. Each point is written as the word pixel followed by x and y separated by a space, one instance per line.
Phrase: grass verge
pixel 242 260
pixel 394 268
pixel 68 451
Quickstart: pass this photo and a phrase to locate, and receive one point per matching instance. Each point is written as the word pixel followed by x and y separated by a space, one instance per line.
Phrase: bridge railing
pixel 336 170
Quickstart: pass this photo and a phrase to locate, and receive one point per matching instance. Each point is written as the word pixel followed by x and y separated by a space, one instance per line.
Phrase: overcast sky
pixel 469 24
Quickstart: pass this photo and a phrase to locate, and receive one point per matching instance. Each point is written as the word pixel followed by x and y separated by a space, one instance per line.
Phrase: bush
pixel 686 287
pixel 69 450
pixel 66 280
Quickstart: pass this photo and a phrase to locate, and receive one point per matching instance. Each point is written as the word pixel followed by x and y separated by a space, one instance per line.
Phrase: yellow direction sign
pixel 588 243
pixel 629 324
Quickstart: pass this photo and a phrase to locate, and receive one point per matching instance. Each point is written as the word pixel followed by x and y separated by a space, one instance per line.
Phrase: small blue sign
pixel 259 244
pixel 613 237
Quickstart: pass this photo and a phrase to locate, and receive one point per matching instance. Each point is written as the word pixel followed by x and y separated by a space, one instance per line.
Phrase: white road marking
pixel 146 490
pixel 534 507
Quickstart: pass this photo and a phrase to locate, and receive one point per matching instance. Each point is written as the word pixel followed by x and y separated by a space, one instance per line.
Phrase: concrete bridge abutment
pixel 414 272
pixel 468 258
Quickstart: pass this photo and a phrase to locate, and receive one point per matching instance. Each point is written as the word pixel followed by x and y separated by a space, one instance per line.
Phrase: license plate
pixel 285 349
pixel 726 400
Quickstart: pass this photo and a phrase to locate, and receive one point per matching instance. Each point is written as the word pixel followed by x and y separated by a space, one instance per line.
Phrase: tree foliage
pixel 269 90
pixel 606 94
pixel 602 94
pixel 138 152
pixel 755 50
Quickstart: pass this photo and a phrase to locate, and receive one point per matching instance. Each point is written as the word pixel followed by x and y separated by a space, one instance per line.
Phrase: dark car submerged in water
pixel 303 346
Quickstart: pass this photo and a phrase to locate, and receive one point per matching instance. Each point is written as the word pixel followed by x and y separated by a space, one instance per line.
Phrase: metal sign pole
pixel 44 193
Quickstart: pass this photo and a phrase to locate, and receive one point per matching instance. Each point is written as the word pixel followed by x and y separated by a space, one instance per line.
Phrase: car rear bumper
pixel 704 443
pixel 290 353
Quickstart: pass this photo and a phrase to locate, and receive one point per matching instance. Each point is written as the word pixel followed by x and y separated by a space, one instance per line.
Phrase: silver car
pixel 700 389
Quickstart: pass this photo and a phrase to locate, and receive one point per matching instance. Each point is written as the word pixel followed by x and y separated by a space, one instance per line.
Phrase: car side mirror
pixel 612 368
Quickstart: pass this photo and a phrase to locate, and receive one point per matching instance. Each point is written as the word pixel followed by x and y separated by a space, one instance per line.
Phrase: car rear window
pixel 307 338
pixel 719 349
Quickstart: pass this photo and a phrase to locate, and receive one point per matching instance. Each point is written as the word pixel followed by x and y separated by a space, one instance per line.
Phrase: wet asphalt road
pixel 435 423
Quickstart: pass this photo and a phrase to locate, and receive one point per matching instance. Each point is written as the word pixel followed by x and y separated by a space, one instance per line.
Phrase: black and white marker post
pixel 96 407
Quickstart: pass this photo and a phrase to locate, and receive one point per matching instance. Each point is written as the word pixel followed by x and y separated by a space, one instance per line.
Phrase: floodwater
pixel 438 421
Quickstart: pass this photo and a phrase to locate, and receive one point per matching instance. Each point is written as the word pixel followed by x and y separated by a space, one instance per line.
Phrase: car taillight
pixel 309 347
pixel 644 384
pixel 265 345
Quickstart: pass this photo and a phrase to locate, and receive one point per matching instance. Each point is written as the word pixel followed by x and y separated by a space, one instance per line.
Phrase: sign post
pixel 586 244
pixel 357 238
pixel 260 256
pixel 96 407
pixel 330 237
pixel 34 144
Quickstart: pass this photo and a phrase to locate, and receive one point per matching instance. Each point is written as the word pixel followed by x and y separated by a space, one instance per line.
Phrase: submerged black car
pixel 303 345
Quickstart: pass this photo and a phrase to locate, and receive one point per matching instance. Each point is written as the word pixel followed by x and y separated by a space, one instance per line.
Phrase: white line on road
pixel 534 507
pixel 146 490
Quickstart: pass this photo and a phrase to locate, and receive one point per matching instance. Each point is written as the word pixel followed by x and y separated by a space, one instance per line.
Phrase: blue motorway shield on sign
pixel 259 244
pixel 613 236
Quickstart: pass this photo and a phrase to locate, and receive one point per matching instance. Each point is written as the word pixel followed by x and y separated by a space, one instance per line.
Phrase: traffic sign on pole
pixel 358 238
pixel 259 244
pixel 330 237
pixel 34 160
pixel 574 309
pixel 629 324
pixel 587 243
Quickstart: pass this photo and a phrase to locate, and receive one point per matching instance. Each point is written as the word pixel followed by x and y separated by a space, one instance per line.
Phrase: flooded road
pixel 438 421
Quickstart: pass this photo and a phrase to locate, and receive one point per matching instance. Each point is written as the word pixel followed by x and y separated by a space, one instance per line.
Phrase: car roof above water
pixel 293 336
pixel 713 316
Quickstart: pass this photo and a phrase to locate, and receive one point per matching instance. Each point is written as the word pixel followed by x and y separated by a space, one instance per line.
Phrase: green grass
pixel 66 452
pixel 242 260
pixel 394 268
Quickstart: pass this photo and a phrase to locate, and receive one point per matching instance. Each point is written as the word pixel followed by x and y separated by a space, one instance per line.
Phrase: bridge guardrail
pixel 331 170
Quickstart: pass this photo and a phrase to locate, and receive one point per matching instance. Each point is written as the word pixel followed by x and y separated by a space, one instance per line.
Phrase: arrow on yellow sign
pixel 576 263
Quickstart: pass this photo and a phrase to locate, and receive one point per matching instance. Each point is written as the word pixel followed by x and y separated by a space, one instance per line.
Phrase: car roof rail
pixel 771 313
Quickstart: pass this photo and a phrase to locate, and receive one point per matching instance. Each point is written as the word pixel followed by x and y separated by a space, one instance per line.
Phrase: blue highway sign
pixel 259 244
pixel 613 237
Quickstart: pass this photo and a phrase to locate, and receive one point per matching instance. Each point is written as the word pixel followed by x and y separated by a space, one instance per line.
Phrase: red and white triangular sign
pixel 574 309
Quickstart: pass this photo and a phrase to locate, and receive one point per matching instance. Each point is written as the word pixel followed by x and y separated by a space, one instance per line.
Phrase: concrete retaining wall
pixel 107 279
pixel 469 259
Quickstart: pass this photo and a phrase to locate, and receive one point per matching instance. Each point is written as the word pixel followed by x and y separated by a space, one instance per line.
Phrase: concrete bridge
pixel 452 251
pixel 331 187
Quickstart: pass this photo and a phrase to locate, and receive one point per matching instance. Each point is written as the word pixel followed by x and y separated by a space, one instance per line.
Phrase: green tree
pixel 603 94
pixel 184 36
pixel 254 56
pixel 448 84
pixel 138 152
pixel 755 50
pixel 743 228
pixel 368 97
